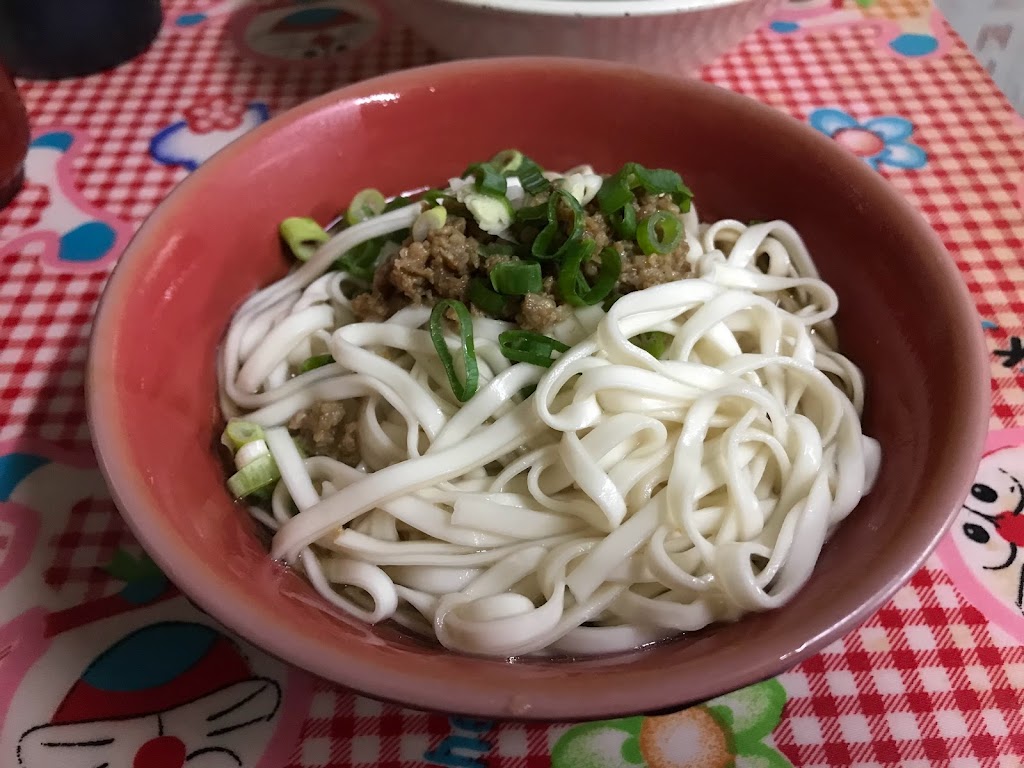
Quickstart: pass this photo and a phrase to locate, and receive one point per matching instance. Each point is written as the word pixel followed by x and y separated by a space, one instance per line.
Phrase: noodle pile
pixel 626 500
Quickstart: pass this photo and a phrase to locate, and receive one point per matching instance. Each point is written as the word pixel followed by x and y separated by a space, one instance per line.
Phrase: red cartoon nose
pixel 1011 527
pixel 323 40
pixel 161 752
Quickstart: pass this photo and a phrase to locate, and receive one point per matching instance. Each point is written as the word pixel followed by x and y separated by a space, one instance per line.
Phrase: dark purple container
pixel 53 39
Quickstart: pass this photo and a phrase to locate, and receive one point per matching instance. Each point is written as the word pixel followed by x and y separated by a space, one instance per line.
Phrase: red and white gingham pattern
pixel 94 532
pixel 928 682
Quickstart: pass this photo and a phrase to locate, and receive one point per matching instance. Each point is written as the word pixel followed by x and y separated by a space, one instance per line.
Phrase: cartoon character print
pixel 984 551
pixel 905 28
pixel 72 235
pixel 202 12
pixel 133 677
pixel 208 126
pixel 727 732
pixel 167 695
pixel 303 32
pixel 878 141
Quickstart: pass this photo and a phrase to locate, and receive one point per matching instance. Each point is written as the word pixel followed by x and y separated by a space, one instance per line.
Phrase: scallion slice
pixel 482 296
pixel 517 278
pixel 546 246
pixel 660 232
pixel 397 202
pixel 463 391
pixel 367 204
pixel 361 261
pixel 303 236
pixel 431 220
pixel 653 342
pixel 529 347
pixel 255 476
pixel 508 161
pixel 317 361
pixel 618 189
pixel 533 213
pixel 488 180
pixel 531 176
pixel 572 283
pixel 624 222
pixel 238 432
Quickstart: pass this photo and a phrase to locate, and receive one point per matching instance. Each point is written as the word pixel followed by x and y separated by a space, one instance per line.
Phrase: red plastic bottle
pixel 14 138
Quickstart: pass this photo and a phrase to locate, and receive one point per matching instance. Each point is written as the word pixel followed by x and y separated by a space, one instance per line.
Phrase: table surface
pixel 103 663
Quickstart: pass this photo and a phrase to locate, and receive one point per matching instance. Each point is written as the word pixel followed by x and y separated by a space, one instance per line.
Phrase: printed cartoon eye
pixel 976 533
pixel 984 493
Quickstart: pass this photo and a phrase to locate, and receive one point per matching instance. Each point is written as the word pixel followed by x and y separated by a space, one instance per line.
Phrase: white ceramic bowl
pixel 677 36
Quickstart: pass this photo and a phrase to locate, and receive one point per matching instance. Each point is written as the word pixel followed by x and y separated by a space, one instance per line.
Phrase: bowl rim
pixel 241 614
pixel 595 8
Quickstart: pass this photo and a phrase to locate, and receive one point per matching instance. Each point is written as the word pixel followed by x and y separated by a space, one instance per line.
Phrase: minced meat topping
pixel 444 263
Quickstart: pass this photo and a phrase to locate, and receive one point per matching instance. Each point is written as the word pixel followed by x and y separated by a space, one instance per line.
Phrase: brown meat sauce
pixel 442 266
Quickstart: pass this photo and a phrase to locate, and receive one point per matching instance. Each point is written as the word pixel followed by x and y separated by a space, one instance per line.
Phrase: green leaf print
pixel 751 713
pixel 727 732
pixel 604 744
pixel 760 755
pixel 130 569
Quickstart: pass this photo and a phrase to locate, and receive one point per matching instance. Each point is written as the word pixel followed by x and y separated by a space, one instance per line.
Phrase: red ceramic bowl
pixel 905 318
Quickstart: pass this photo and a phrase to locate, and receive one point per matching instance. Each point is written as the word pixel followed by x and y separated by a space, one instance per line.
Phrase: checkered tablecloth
pixel 103 663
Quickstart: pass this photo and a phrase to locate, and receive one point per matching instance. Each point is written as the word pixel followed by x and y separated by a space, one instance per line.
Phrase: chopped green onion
pixel 397 202
pixel 517 278
pixel 493 213
pixel 531 177
pixel 624 222
pixel 463 391
pixel 544 247
pixel 483 297
pixel 317 361
pixel 303 236
pixel 618 189
pixel 508 161
pixel 512 162
pixel 367 204
pixel 615 194
pixel 429 221
pixel 488 180
pixel 653 342
pixel 529 347
pixel 660 232
pixel 238 432
pixel 572 283
pixel 435 196
pixel 361 261
pixel 610 300
pixel 497 249
pixel 533 213
pixel 255 476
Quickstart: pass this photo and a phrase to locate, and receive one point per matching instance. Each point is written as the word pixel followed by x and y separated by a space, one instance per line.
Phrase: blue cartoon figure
pixel 75 235
pixel 209 125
